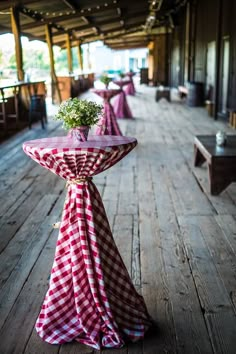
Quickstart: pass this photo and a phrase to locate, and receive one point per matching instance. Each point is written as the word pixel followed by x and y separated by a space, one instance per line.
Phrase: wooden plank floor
pixel 177 241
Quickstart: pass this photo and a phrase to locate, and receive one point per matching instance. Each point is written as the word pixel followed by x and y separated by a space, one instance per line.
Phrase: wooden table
pixel 221 160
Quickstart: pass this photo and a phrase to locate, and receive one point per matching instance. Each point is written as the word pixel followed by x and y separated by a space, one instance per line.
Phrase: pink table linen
pixel 130 89
pixel 108 124
pixel 91 297
pixel 120 104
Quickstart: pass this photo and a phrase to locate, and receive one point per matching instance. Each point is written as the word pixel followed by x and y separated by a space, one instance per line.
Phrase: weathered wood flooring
pixel 177 241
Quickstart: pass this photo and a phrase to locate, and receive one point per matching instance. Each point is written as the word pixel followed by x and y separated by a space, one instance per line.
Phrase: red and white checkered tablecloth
pixel 108 124
pixel 91 297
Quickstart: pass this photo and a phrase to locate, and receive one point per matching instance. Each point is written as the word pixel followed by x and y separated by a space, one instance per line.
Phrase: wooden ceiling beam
pixel 125 40
pixel 116 29
pixel 133 29
pixel 6 5
pixel 110 21
pixel 85 27
pixel 70 4
pixel 30 13
pixel 135 46
pixel 78 13
pixel 93 38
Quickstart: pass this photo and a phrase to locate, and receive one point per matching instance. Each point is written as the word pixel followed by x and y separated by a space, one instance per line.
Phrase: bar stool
pixel 3 118
pixel 37 110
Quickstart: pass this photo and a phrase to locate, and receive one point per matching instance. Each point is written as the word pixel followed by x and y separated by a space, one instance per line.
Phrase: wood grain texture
pixel 177 241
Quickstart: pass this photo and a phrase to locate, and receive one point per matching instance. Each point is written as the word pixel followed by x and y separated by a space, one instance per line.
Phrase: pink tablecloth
pixel 120 104
pixel 91 297
pixel 130 89
pixel 108 124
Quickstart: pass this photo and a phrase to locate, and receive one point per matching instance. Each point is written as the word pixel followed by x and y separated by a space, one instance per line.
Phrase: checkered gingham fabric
pixel 108 124
pixel 91 297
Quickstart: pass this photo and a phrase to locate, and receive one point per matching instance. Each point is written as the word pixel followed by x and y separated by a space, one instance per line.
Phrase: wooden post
pixel 192 39
pixel 218 58
pixel 187 45
pixel 88 57
pixel 150 61
pixel 80 56
pixel 55 88
pixel 167 55
pixel 69 54
pixel 15 23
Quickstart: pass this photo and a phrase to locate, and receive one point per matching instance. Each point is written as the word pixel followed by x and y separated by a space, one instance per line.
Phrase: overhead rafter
pixel 76 14
pixel 90 20
pixel 114 33
pixel 36 16
pixel 70 4
pixel 99 24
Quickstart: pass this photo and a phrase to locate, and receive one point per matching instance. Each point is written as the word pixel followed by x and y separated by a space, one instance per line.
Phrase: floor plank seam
pixel 188 258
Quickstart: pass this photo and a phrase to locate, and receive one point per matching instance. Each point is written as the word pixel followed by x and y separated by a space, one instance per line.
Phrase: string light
pixel 62 13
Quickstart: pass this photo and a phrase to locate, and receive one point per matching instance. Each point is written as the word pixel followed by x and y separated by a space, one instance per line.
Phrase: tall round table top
pixel 121 83
pixel 106 94
pixel 69 158
pixel 130 74
pixel 66 143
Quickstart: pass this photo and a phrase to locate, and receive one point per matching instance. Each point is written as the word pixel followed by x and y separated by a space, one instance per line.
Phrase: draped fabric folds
pixel 108 124
pixel 91 297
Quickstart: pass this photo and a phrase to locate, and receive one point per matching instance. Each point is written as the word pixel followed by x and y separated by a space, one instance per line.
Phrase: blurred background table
pixel 108 124
pixel 120 104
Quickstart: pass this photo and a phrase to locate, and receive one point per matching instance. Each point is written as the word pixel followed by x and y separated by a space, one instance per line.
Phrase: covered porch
pixel 176 239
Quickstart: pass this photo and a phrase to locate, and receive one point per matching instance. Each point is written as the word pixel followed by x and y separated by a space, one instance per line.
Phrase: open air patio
pixel 178 241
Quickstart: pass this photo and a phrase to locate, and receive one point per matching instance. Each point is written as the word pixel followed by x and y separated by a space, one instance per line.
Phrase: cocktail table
pixel 120 104
pixel 91 298
pixel 221 160
pixel 108 124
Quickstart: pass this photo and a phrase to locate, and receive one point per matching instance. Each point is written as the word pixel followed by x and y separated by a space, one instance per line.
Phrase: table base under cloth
pixel 108 124
pixel 91 297
pixel 129 89
pixel 121 107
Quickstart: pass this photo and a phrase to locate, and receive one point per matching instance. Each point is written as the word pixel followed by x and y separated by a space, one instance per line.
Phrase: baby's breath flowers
pixel 75 113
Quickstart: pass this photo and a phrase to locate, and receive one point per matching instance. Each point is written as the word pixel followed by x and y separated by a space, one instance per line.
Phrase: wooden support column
pixel 218 57
pixel 160 63
pixel 15 23
pixel 150 61
pixel 88 57
pixel 167 54
pixel 80 56
pixel 187 45
pixel 69 53
pixel 56 95
pixel 192 40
